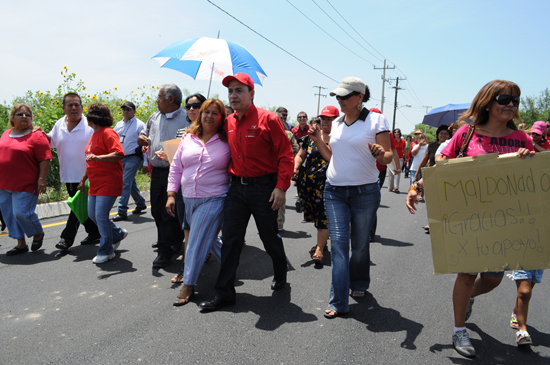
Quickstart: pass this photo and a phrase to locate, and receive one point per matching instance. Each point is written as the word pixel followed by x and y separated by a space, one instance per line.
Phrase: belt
pixel 266 179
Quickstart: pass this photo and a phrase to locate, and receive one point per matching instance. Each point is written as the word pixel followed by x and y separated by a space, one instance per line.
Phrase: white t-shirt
pixel 70 148
pixel 352 162
pixel 419 156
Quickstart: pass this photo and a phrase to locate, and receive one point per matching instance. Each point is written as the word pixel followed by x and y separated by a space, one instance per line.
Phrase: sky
pixel 446 50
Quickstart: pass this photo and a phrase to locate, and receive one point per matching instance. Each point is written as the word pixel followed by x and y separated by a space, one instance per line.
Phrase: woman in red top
pixel 104 170
pixel 24 161
pixel 399 147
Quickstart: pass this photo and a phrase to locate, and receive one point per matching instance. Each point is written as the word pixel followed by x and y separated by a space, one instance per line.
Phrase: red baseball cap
pixel 240 77
pixel 375 110
pixel 329 111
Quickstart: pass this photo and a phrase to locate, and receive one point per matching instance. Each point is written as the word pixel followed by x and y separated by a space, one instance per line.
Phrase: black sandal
pixel 17 250
pixel 36 244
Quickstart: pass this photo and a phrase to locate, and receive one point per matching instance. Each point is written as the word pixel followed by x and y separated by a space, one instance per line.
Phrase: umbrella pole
pixel 210 83
pixel 211 73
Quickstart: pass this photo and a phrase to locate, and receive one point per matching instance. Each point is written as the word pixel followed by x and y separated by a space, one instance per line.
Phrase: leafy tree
pixel 428 131
pixel 534 108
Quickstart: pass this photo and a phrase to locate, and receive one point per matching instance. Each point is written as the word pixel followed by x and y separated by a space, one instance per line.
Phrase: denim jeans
pixel 99 207
pixel 241 202
pixel 351 211
pixel 18 210
pixel 130 166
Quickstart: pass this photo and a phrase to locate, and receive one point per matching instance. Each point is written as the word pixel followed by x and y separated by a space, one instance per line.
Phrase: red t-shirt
pixel 298 132
pixel 544 143
pixel 400 146
pixel 20 159
pixel 259 146
pixel 105 177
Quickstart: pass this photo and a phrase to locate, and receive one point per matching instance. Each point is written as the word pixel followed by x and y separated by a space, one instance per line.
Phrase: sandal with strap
pixel 514 323
pixel 178 278
pixel 523 338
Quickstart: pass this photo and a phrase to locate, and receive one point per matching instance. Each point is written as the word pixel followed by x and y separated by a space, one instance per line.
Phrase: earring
pixel 487 109
pixel 360 106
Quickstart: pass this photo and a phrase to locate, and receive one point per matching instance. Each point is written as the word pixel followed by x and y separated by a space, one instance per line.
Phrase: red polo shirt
pixel 259 146
pixel 298 132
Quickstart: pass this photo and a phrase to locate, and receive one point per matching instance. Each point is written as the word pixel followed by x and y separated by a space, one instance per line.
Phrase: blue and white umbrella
pixel 210 59
pixel 447 114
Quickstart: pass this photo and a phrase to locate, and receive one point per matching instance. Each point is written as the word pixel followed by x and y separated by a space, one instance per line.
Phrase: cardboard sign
pixel 170 147
pixel 489 213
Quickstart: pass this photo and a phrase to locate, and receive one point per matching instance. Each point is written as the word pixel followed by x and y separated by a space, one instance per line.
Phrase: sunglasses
pixel 302 117
pixel 338 97
pixel 506 99
pixel 193 105
pixel 28 115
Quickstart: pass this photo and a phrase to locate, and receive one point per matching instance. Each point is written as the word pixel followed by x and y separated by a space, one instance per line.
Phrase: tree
pixel 533 108
pixel 428 131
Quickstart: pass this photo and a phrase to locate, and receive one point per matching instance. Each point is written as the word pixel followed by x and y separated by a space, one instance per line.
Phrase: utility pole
pixel 383 81
pixel 319 101
pixel 396 87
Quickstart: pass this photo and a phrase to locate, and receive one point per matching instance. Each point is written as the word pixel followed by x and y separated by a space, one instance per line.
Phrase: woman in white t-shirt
pixel 418 152
pixel 352 194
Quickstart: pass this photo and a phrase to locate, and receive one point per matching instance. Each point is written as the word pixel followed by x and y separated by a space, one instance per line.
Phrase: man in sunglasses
pixel 128 130
pixel 284 115
pixel 301 129
pixel 163 126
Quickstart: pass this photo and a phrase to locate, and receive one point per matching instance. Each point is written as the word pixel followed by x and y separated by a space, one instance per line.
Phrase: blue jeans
pixel 99 207
pixel 130 166
pixel 18 210
pixel 351 211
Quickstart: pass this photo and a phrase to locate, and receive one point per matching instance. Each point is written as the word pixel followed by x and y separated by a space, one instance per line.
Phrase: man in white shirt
pixel 69 136
pixel 128 130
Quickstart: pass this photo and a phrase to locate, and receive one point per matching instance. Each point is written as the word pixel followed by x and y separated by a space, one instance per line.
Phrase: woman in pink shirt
pixel 200 167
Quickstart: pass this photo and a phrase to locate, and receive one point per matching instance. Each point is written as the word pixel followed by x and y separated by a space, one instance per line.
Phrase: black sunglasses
pixel 505 99
pixel 338 97
pixel 193 105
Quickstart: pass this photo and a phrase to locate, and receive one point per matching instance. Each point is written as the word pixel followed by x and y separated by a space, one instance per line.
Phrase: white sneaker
pixel 116 244
pixel 99 259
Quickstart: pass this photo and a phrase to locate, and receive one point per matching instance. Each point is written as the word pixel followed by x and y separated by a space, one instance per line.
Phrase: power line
pixel 281 48
pixel 334 21
pixel 359 34
pixel 324 31
pixel 354 29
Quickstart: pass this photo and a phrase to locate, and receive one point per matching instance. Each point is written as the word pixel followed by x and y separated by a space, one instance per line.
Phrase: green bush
pixel 47 109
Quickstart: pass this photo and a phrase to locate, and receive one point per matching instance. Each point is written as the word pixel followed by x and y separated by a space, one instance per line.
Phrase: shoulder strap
pixel 466 141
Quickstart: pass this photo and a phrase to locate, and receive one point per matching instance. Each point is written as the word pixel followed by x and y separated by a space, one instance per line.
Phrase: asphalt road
pixel 62 309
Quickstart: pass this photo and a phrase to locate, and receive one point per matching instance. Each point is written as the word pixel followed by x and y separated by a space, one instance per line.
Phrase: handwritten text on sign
pixel 488 214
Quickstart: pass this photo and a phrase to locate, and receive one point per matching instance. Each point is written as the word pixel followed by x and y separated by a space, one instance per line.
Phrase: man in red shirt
pixel 301 129
pixel 261 166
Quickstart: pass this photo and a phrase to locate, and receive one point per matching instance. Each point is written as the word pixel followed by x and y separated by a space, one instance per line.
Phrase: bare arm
pixel 43 167
pixel 381 150
pixel 298 160
pixel 315 135
pixel 111 157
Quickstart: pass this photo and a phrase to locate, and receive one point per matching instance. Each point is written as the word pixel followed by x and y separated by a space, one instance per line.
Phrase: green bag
pixel 79 204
